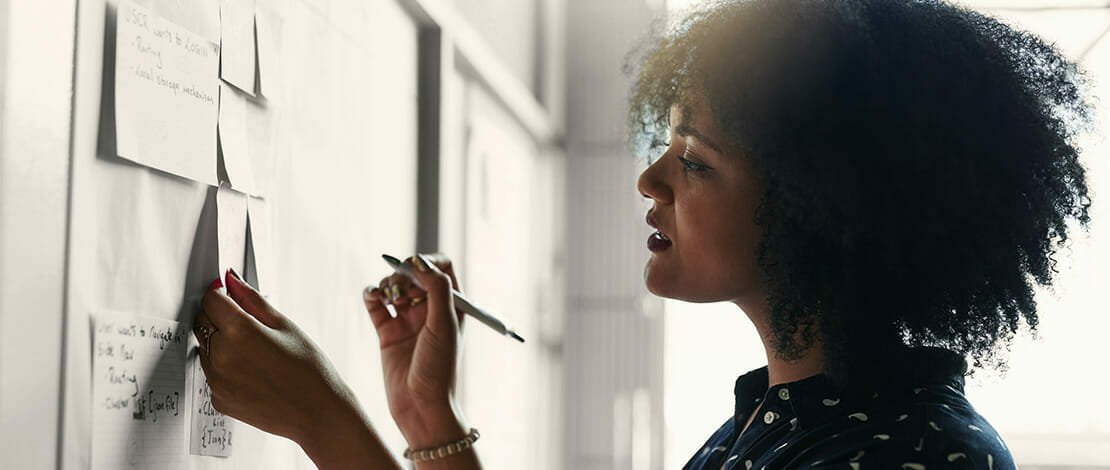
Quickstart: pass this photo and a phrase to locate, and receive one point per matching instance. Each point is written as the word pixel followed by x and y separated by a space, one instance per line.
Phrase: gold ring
pixel 206 333
pixel 417 300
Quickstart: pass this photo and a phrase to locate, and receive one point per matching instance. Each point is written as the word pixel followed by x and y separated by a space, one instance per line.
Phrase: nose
pixel 652 185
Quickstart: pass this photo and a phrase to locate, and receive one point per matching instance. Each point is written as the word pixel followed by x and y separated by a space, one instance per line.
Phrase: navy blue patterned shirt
pixel 927 423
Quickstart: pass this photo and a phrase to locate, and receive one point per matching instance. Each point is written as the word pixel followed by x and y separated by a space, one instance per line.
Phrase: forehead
pixel 691 113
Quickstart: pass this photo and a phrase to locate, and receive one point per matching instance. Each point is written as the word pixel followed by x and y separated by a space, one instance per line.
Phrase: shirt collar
pixel 815 398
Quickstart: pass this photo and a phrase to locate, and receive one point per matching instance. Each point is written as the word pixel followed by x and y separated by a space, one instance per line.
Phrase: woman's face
pixel 704 195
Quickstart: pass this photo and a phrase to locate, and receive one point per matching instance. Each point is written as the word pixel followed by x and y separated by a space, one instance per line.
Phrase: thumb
pixel 251 301
pixel 441 322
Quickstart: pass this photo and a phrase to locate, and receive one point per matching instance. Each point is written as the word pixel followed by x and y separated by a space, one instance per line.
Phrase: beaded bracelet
pixel 443 451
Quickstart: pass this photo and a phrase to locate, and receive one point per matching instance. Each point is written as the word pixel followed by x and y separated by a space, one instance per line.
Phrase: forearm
pixel 343 439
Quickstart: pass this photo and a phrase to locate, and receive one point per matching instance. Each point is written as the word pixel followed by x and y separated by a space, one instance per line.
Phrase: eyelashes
pixel 690 165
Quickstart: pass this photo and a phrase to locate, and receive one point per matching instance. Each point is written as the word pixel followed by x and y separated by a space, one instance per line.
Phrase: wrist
pixel 433 427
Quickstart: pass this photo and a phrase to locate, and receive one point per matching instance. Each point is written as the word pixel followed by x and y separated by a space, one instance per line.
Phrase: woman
pixel 870 181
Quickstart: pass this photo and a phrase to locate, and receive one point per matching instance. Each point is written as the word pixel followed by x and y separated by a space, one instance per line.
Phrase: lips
pixel 657 241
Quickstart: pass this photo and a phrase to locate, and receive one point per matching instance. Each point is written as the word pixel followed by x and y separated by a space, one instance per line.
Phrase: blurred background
pixel 514 128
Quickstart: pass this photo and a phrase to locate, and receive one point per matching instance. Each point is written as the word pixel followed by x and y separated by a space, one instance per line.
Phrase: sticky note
pixel 234 141
pixel 237 47
pixel 211 432
pixel 138 386
pixel 231 229
pixel 166 95
pixel 261 243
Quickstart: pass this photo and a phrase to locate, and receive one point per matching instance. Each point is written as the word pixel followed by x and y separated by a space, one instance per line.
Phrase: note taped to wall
pixel 167 91
pixel 237 45
pixel 138 393
pixel 211 431
pixel 258 213
pixel 231 228
pixel 268 26
pixel 234 141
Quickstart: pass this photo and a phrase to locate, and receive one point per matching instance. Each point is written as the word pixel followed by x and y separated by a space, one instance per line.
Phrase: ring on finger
pixel 417 300
pixel 206 333
pixel 387 295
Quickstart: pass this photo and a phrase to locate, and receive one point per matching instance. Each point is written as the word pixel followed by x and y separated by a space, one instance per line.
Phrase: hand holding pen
pixel 464 304
pixel 420 349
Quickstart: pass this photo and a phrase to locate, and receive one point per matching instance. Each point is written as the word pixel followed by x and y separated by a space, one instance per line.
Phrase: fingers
pixel 221 310
pixel 441 321
pixel 374 298
pixel 206 365
pixel 400 290
pixel 202 328
pixel 444 264
pixel 214 384
pixel 251 301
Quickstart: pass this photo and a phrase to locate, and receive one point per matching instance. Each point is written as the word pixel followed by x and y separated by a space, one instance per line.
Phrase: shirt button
pixel 784 394
pixel 769 417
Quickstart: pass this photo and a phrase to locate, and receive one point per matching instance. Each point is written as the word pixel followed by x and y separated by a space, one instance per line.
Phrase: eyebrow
pixel 687 130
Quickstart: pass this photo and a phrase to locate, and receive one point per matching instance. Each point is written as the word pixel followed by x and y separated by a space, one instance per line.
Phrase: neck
pixel 779 370
pixel 782 371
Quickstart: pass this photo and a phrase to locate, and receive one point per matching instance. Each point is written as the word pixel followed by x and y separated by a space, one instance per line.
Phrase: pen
pixel 460 301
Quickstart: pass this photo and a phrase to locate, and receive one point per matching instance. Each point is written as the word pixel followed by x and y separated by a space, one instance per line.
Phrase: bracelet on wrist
pixel 444 450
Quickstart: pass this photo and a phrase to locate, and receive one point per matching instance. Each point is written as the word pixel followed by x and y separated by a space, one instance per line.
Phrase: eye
pixel 690 165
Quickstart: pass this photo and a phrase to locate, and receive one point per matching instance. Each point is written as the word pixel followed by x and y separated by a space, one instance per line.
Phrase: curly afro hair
pixel 918 158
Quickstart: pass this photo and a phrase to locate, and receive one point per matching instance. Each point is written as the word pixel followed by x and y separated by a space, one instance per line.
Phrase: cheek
pixel 720 240
pixel 716 243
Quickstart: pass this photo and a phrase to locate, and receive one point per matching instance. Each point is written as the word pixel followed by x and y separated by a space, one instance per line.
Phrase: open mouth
pixel 658 242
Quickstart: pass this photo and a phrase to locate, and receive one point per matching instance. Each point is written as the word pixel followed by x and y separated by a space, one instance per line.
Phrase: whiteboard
pixel 341 174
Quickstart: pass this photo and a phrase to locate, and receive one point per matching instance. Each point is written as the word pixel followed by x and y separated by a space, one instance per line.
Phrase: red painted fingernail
pixel 237 276
pixel 215 284
pixel 234 285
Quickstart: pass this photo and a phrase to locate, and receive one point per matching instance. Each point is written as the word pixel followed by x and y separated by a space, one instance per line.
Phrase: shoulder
pixel 935 429
pixel 715 447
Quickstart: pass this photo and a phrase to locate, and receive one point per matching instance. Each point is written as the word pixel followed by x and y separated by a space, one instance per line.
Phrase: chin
pixel 670 290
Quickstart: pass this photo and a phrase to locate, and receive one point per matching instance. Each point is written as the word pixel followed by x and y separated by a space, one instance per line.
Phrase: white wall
pixel 342 78
pixel 342 100
pixel 34 164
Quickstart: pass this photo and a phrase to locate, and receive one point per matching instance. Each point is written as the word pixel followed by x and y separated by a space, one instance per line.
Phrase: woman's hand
pixel 263 370
pixel 420 350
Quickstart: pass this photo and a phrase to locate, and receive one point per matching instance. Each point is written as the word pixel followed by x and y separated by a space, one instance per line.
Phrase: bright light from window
pixel 705 347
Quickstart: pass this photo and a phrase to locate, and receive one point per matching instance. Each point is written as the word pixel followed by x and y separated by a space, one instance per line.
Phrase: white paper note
pixel 258 213
pixel 237 58
pixel 260 145
pixel 231 228
pixel 138 393
pixel 234 142
pixel 267 27
pixel 166 90
pixel 211 431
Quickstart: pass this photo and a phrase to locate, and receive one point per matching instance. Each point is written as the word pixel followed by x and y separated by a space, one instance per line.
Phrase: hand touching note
pixel 263 370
